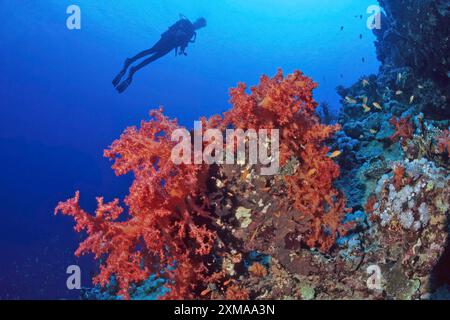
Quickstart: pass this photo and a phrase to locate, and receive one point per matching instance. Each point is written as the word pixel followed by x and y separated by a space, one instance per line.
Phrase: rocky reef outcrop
pixel 395 165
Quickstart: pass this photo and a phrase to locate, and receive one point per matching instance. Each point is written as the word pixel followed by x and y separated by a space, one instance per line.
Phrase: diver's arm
pixel 193 38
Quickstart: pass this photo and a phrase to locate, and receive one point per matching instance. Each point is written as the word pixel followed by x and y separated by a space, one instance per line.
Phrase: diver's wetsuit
pixel 176 38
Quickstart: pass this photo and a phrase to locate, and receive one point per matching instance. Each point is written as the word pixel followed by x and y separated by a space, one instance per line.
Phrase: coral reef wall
pixel 412 83
pixel 367 199
pixel 415 35
pixel 395 132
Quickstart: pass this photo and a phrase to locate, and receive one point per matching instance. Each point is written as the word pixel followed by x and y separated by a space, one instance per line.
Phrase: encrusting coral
pixel 171 229
pixel 413 223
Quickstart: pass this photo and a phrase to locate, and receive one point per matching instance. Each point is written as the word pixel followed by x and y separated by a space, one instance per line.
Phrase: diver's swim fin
pixel 117 79
pixel 124 85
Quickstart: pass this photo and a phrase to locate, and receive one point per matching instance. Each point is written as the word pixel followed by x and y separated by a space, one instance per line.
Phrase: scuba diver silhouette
pixel 176 38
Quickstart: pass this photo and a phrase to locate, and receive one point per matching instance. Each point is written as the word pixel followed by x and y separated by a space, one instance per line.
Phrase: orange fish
pixel 335 154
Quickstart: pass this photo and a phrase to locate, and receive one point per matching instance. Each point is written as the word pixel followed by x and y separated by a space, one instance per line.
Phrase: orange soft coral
pixel 163 227
pixel 287 104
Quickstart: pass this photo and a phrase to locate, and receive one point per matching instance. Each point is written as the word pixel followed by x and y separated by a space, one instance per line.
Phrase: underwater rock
pixel 386 132
pixel 353 129
pixel 412 217
pixel 376 168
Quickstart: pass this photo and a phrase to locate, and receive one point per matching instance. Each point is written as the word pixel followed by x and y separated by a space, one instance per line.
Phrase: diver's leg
pixel 140 55
pixel 130 61
pixel 124 85
pixel 147 61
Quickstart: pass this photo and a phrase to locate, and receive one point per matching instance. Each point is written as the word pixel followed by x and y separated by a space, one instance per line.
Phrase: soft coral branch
pixel 161 224
pixel 287 104
pixel 404 129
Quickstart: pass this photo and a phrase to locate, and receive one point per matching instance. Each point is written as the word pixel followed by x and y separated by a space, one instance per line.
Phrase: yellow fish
pixel 244 174
pixel 366 108
pixel 399 92
pixel 350 100
pixel 377 105
pixel 335 154
pixel 411 99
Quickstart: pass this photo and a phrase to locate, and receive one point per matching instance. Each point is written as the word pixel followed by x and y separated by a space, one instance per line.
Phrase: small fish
pixel 311 172
pixel 372 131
pixel 363 59
pixel 205 292
pixel 365 82
pixel 411 99
pixel 366 108
pixel 350 100
pixel 227 282
pixel 365 99
pixel 399 92
pixel 360 36
pixel 377 105
pixel 335 154
pixel 342 28
pixel 244 174
pixel 420 86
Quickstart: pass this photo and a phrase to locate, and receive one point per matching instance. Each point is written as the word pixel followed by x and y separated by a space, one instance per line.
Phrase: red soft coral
pixel 163 228
pixel 168 225
pixel 404 129
pixel 399 175
pixel 443 142
pixel 287 104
